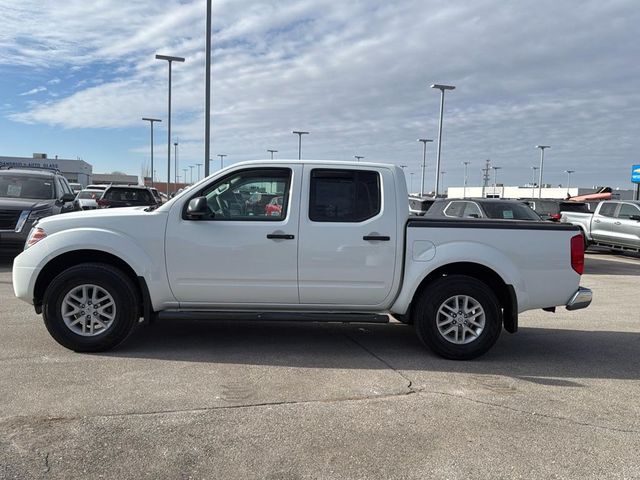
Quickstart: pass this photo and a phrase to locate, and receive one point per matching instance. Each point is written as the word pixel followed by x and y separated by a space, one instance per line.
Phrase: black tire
pixel 435 295
pixel 112 280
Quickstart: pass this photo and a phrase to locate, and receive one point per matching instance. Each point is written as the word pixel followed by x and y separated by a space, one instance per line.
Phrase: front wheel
pixel 458 317
pixel 90 307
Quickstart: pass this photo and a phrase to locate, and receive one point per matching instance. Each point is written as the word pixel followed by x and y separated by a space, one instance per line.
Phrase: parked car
pixel 419 205
pixel 27 195
pixel 550 209
pixel 495 208
pixel 75 187
pixel 614 224
pixel 87 199
pixel 343 249
pixel 156 194
pixel 274 207
pixel 126 196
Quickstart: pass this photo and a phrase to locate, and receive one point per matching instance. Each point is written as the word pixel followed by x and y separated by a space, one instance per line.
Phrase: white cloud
pixel 33 91
pixel 54 81
pixel 356 74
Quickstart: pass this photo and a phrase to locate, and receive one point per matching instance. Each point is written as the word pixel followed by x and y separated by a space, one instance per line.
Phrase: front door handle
pixel 618 223
pixel 380 238
pixel 280 236
pixel 597 221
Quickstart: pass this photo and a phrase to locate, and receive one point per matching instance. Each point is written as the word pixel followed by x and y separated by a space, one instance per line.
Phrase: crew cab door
pixel 626 228
pixel 241 253
pixel 602 222
pixel 348 236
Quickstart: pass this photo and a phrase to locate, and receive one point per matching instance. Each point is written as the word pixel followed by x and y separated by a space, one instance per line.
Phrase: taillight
pixel 103 203
pixel 577 253
pixel 555 217
pixel 35 236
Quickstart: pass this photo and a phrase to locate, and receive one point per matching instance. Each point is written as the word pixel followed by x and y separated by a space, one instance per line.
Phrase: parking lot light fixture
pixel 495 178
pixel 464 186
pixel 272 152
pixel 569 172
pixel 151 121
pixel 175 158
pixel 299 133
pixel 184 177
pixel 542 149
pixel 198 165
pixel 442 89
pixel 424 161
pixel 191 174
pixel 358 157
pixel 222 155
pixel 170 60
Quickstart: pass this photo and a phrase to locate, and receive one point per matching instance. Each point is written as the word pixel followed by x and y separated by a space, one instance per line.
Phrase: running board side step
pixel 340 317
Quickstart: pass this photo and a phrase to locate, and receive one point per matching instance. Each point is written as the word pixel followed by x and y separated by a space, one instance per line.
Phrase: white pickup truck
pixel 290 240
pixel 614 224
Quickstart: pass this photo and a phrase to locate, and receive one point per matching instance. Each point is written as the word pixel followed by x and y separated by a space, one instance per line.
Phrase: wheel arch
pixel 504 292
pixel 58 264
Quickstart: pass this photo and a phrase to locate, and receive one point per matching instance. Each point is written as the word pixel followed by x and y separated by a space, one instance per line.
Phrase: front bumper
pixel 581 299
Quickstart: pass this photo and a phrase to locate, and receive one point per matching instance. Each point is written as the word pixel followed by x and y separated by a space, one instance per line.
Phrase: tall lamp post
pixel 207 90
pixel 191 174
pixel 358 157
pixel 185 175
pixel 151 120
pixel 411 175
pixel 464 187
pixel 198 165
pixel 424 161
pixel 495 178
pixel 442 89
pixel 222 155
pixel 170 60
pixel 533 181
pixel 569 172
pixel 299 133
pixel 542 148
pixel 272 152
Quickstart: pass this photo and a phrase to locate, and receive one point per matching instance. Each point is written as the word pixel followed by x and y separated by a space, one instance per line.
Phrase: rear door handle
pixel 280 236
pixel 618 223
pixel 381 238
pixel 597 221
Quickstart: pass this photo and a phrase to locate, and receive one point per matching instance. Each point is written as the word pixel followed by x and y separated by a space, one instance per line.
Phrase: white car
pixel 87 199
pixel 342 249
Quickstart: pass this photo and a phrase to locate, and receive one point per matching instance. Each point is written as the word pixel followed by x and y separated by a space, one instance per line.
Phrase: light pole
pixel 358 157
pixel 151 120
pixel 533 182
pixel 191 174
pixel 464 187
pixel 299 133
pixel 424 161
pixel 272 152
pixel 170 60
pixel 198 165
pixel 207 90
pixel 222 155
pixel 542 148
pixel 411 175
pixel 495 178
pixel 442 177
pixel 442 89
pixel 569 172
pixel 175 159
pixel 185 175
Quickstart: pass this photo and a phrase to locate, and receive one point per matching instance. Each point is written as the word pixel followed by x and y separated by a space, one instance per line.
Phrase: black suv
pixel 497 208
pixel 26 196
pixel 550 209
pixel 127 196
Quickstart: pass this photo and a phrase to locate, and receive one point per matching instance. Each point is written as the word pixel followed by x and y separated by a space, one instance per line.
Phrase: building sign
pixel 635 174
pixel 17 164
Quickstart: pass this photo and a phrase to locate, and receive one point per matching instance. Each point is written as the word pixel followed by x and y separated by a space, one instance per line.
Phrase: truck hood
pixel 106 218
pixel 23 203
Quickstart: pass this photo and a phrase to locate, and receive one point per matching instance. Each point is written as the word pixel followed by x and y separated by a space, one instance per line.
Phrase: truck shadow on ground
pixel 603 265
pixel 540 353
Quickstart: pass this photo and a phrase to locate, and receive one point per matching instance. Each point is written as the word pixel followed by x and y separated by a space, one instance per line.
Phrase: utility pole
pixel 485 176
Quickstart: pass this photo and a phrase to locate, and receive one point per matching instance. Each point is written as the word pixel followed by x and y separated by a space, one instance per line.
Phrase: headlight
pixel 38 214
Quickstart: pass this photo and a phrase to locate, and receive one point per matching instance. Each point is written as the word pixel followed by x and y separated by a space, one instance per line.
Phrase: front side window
pixel 258 194
pixel 471 210
pixel 627 210
pixel 608 209
pixel 339 195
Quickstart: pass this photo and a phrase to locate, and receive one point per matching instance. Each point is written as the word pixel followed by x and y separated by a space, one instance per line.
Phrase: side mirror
pixel 198 208
pixel 67 197
pixel 635 217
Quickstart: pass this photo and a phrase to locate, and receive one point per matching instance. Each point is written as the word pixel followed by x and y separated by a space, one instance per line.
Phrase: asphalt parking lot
pixel 560 399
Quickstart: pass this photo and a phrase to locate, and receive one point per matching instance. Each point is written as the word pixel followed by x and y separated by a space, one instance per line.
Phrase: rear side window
pixel 608 209
pixel 627 210
pixel 344 195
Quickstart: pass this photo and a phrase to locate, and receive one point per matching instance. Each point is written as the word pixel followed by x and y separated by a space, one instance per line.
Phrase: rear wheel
pixel 458 317
pixel 90 307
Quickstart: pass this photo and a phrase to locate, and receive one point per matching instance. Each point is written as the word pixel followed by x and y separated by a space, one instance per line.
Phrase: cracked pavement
pixel 559 399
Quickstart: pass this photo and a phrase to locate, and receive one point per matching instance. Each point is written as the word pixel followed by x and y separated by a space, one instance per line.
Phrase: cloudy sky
pixel 77 77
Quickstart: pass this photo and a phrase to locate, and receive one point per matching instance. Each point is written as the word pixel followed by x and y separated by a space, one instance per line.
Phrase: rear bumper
pixel 581 299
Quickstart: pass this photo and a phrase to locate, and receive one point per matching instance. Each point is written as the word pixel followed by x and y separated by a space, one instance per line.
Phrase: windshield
pixel 509 211
pixel 24 186
pixel 88 194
